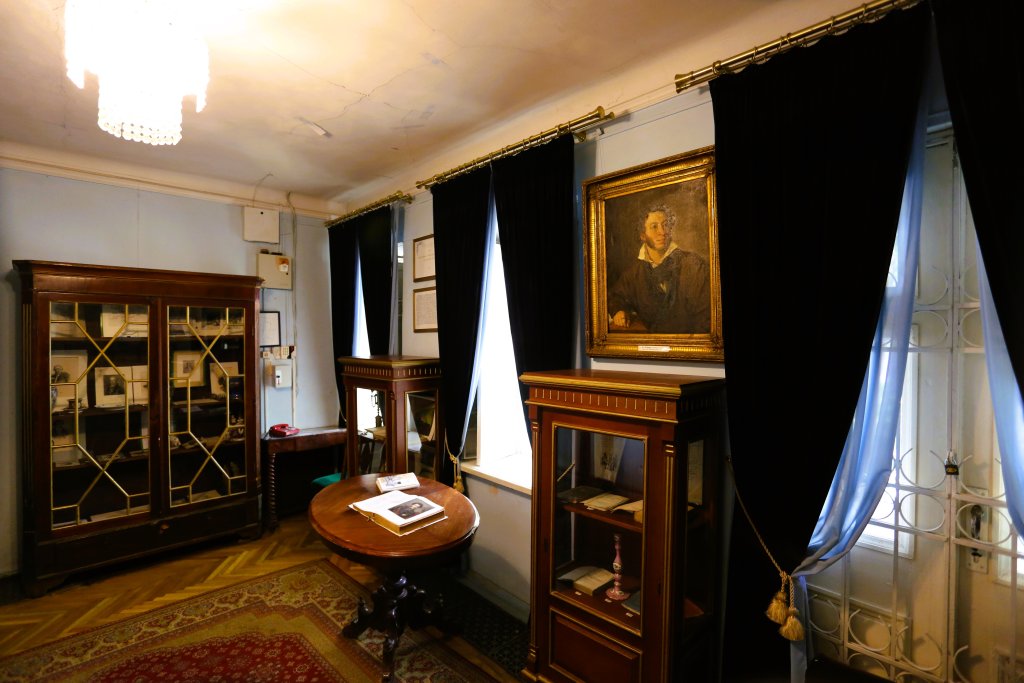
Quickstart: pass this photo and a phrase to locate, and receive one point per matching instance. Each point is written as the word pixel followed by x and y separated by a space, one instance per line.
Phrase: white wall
pixel 56 219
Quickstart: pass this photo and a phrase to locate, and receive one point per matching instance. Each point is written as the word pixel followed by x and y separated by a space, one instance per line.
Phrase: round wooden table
pixel 397 601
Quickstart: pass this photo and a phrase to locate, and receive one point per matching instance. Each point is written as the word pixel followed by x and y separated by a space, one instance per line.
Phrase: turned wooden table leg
pixel 396 603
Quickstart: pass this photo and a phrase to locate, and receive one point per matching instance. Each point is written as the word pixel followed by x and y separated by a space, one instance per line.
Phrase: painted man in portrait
pixel 665 289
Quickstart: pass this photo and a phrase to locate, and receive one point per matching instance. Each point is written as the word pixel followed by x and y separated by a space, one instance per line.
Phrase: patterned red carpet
pixel 282 627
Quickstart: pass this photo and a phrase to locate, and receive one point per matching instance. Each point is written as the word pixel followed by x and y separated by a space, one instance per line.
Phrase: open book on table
pixel 399 512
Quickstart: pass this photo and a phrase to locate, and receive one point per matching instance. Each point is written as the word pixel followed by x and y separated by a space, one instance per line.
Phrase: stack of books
pixel 399 512
pixel 587 579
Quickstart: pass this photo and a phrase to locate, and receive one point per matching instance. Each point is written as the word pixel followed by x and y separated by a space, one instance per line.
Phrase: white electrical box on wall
pixel 260 225
pixel 279 373
pixel 275 269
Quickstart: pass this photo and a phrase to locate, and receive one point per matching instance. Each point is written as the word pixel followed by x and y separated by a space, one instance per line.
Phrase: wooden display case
pixel 626 576
pixel 393 413
pixel 140 414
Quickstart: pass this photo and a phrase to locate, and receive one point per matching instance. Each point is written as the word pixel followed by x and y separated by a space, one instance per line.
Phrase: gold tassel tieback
pixel 779 607
pixel 782 609
pixel 457 483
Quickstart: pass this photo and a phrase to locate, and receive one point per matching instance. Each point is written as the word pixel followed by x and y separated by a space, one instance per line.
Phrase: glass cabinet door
pixel 421 431
pixel 205 398
pixel 99 411
pixel 597 535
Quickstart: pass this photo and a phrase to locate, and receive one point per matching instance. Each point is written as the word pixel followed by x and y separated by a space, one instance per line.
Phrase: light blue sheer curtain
pixel 1006 400
pixel 867 457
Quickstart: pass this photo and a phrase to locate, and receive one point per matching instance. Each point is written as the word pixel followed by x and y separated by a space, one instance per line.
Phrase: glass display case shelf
pixel 621 520
pixel 85 463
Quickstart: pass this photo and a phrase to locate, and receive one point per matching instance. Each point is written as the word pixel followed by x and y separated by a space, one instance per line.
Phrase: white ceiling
pixel 401 85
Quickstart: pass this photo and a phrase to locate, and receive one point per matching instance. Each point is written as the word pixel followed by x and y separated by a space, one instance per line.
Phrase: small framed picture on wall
pixel 269 332
pixel 424 310
pixel 423 258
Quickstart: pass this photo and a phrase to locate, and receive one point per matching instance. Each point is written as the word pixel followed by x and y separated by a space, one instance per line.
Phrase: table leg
pixel 396 602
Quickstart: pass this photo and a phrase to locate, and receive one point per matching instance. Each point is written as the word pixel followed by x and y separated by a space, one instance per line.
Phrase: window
pixel 941 608
pixel 366 407
pixel 881 532
pixel 503 449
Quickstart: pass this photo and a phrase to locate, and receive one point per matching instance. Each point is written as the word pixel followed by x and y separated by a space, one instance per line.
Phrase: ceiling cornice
pixel 92 169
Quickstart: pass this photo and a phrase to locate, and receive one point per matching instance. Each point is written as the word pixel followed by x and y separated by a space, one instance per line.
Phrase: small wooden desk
pixel 320 451
pixel 398 601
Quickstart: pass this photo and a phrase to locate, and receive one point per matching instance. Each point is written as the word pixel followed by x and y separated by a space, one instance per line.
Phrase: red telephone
pixel 283 429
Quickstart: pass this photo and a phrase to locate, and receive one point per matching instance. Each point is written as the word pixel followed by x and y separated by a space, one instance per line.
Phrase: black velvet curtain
pixel 983 65
pixel 377 264
pixel 533 195
pixel 460 255
pixel 342 244
pixel 811 153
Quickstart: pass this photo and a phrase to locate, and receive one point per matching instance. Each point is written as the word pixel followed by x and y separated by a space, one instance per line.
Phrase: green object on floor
pixel 326 480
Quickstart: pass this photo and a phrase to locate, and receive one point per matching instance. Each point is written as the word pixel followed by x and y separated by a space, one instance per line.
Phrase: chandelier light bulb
pixel 146 57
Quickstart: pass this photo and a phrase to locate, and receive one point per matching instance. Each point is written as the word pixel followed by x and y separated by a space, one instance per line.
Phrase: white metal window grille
pixel 948 606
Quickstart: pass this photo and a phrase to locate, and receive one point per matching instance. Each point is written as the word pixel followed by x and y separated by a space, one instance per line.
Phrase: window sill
pixel 508 477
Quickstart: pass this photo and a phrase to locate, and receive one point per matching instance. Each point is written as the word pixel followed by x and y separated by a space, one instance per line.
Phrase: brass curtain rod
pixel 574 126
pixel 866 13
pixel 391 198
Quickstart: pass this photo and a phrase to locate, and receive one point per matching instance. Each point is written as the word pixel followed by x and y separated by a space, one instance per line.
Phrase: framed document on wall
pixel 423 258
pixel 424 310
pixel 269 332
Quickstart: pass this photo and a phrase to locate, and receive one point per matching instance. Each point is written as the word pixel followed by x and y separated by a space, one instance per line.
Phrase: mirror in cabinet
pixel 206 416
pixel 99 411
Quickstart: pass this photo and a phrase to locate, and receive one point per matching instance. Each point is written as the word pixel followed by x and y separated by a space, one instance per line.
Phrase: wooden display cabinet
pixel 139 413
pixel 393 413
pixel 628 593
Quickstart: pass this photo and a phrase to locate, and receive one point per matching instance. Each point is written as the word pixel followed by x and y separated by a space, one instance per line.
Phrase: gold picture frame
pixel 662 211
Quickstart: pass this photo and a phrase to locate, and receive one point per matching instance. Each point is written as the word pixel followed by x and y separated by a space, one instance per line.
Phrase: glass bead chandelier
pixel 146 56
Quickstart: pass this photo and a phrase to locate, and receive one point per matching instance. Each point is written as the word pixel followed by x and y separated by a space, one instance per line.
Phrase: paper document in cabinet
pixel 605 501
pixel 399 512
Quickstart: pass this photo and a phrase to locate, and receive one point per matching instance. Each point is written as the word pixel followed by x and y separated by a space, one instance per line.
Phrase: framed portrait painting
pixel 651 257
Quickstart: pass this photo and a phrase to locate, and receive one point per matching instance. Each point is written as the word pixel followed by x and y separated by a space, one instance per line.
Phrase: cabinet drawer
pixel 104 546
pixel 585 655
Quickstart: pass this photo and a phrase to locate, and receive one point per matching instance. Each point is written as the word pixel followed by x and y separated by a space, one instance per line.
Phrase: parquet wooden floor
pixel 97 598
